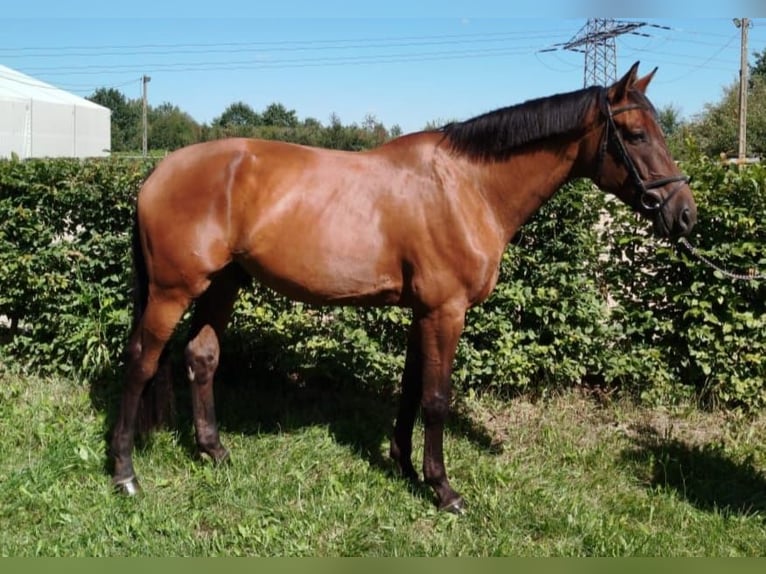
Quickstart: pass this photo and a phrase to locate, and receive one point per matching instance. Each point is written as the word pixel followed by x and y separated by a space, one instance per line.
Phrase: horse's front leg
pixel 440 330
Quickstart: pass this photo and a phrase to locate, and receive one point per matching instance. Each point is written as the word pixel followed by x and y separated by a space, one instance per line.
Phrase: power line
pixel 569 66
pixel 695 57
pixel 43 86
pixel 281 63
pixel 403 49
pixel 703 64
pixel 310 43
pixel 265 63
pixel 665 54
pixel 239 50
pixel 89 87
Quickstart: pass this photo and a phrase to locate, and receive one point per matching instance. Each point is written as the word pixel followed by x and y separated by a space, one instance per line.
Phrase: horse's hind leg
pixel 211 315
pixel 163 311
pixel 409 404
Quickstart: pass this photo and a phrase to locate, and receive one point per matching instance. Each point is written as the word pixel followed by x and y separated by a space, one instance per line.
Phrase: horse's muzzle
pixel 675 222
pixel 686 219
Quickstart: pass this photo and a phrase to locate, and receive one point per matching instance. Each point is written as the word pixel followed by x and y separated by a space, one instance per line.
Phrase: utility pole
pixel 145 80
pixel 743 24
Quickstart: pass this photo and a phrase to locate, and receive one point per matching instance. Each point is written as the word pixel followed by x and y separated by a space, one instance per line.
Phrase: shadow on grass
pixel 255 394
pixel 704 475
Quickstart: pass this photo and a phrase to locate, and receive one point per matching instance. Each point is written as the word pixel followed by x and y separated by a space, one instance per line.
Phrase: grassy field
pixel 563 476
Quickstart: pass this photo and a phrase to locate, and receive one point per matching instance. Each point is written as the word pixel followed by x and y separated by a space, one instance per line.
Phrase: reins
pixel 751 275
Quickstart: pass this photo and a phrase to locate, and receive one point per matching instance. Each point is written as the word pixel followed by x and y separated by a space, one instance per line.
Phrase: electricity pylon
pixel 597 41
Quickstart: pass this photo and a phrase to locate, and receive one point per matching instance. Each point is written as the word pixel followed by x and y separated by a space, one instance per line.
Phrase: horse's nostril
pixel 686 220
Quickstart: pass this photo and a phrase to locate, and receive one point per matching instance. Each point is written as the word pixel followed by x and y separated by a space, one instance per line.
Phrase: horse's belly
pixel 324 249
pixel 327 279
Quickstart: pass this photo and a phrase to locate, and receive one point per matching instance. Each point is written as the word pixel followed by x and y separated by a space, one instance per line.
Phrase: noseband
pixel 643 197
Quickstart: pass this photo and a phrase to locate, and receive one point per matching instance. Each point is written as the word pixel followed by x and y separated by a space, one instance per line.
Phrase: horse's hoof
pixel 222 456
pixel 128 486
pixel 454 506
pixel 217 456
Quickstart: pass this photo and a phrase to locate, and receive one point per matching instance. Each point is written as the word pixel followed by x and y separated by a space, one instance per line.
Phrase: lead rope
pixel 751 275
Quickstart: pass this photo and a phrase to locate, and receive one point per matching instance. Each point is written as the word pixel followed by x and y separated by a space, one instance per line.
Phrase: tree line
pixel 713 132
pixel 169 127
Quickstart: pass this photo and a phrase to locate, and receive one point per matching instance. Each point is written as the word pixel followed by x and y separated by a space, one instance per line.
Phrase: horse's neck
pixel 518 187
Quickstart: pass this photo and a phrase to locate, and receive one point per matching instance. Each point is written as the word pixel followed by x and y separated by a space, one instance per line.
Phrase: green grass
pixel 564 476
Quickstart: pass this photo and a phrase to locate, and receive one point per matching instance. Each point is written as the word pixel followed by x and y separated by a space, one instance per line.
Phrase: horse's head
pixel 633 161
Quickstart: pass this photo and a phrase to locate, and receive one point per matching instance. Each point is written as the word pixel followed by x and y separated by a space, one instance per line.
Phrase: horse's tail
pixel 156 406
pixel 140 275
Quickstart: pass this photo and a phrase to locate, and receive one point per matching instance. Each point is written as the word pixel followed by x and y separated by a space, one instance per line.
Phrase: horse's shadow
pixel 254 396
pixel 704 475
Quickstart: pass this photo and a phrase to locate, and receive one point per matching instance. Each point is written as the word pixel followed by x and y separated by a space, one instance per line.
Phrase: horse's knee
pixel 202 354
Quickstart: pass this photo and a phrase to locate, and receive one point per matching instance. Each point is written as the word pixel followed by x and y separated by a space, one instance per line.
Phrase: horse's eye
pixel 636 137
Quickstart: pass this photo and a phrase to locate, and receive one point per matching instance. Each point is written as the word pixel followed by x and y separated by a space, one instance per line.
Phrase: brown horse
pixel 419 222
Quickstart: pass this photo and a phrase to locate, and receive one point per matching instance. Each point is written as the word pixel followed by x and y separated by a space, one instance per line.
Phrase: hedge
pixel 586 296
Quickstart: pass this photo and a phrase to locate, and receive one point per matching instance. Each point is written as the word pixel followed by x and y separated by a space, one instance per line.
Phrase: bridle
pixel 644 197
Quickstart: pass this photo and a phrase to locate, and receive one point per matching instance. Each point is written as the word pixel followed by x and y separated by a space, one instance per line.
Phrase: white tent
pixel 40 120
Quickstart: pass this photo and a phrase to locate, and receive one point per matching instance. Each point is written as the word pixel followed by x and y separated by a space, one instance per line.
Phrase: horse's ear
pixel 620 88
pixel 642 83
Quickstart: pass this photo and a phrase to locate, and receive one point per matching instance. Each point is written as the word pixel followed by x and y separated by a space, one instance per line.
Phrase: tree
pixel 278 115
pixel 238 115
pixel 170 128
pixel 438 124
pixel 126 118
pixel 756 113
pixel 350 137
pixel 669 119
pixel 674 128
pixel 716 129
pixel 310 132
pixel 374 132
pixel 759 68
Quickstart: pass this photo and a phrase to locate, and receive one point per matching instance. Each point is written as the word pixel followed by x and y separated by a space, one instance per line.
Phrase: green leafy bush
pixel 697 331
pixel 546 323
pixel 65 260
pixel 585 294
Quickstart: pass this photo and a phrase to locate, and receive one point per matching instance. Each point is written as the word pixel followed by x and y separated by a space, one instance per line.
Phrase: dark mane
pixel 494 135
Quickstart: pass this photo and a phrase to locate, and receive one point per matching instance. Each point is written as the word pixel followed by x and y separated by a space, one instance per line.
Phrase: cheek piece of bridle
pixel 650 201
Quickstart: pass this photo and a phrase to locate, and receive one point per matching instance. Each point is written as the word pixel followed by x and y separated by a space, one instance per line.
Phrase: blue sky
pixel 404 63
